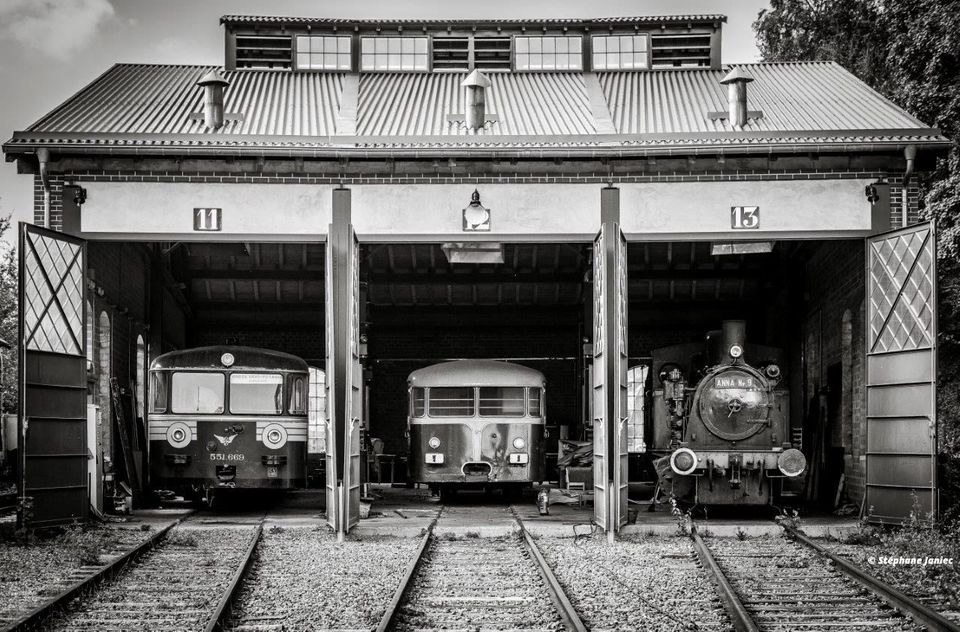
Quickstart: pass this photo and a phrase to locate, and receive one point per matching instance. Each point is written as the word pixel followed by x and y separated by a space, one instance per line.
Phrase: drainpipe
pixel 910 153
pixel 43 158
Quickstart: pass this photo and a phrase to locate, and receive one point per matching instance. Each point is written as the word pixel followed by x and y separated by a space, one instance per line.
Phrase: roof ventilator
pixel 737 113
pixel 213 116
pixel 476 116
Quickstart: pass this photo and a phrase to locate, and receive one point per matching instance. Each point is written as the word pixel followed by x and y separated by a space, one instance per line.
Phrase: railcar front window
pixel 419 399
pixel 298 397
pixel 256 393
pixel 501 401
pixel 535 402
pixel 195 392
pixel 451 401
pixel 158 393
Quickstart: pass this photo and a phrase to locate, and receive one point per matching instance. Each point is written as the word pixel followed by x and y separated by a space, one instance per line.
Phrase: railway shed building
pixel 378 195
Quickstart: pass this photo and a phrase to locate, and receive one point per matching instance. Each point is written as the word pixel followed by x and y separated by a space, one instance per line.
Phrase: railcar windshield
pixel 501 401
pixel 535 402
pixel 196 392
pixel 451 401
pixel 256 393
pixel 158 393
pixel 418 400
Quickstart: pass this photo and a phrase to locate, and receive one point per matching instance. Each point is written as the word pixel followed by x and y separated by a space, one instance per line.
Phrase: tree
pixel 8 319
pixel 908 50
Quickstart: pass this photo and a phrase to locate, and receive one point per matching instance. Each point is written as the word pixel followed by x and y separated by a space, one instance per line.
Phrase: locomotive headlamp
pixel 791 462
pixel 736 351
pixel 519 443
pixel 274 436
pixel 178 434
pixel 683 461
pixel 434 442
pixel 227 359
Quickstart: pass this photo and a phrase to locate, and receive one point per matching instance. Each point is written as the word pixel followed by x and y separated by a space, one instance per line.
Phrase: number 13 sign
pixel 744 217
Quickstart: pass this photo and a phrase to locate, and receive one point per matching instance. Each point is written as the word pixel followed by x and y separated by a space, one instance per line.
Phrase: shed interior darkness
pixel 534 309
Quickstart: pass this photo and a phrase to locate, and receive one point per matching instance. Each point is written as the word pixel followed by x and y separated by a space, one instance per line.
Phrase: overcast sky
pixel 49 49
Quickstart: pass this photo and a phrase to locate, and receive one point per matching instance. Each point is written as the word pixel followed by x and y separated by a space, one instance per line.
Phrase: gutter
pixel 335 152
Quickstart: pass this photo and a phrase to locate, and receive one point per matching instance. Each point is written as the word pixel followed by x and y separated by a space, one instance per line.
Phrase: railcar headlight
pixel 519 443
pixel 179 435
pixel 683 461
pixel 274 436
pixel 736 351
pixel 434 442
pixel 227 359
pixel 791 462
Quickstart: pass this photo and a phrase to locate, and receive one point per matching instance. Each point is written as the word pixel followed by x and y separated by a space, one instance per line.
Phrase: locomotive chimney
pixel 213 85
pixel 734 333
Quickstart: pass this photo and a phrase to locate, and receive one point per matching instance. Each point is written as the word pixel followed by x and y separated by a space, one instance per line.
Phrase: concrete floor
pixel 407 512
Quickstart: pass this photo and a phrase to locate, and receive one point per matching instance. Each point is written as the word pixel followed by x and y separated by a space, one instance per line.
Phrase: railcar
pixel 227 417
pixel 721 420
pixel 476 424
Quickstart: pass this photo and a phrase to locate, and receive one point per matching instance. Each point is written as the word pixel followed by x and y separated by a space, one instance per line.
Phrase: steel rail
pixel 35 617
pixel 929 618
pixel 571 619
pixel 226 600
pixel 741 619
pixel 390 614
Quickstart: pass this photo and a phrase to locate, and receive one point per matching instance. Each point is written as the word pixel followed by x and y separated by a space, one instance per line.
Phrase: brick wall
pixel 834 334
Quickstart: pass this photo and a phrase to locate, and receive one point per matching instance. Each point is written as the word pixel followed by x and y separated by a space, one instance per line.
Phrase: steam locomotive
pixel 476 423
pixel 721 420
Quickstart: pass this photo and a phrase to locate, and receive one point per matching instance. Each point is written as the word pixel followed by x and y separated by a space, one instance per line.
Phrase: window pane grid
pixel 317 413
pixel 393 53
pixel 323 52
pixel 548 53
pixel 620 52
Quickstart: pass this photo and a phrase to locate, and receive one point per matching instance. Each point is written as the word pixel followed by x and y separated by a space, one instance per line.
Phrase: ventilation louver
pixel 258 50
pixel 672 50
pixel 451 53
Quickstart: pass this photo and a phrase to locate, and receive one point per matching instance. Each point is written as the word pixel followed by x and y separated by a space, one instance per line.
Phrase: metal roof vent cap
pixel 476 85
pixel 213 84
pixel 736 82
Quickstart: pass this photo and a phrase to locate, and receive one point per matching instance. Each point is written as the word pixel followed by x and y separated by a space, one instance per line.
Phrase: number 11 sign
pixel 207 219
pixel 744 217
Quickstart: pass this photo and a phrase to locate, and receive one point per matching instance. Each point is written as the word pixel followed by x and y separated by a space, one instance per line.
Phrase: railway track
pixel 774 585
pixel 182 578
pixel 479 584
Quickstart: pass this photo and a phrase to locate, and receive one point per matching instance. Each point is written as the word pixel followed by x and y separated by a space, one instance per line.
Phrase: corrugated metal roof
pixel 640 19
pixel 408 104
pixel 148 99
pixel 143 106
pixel 814 96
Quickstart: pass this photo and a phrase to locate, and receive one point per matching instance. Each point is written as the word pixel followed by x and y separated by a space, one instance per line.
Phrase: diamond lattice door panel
pixel 53 405
pixel 901 373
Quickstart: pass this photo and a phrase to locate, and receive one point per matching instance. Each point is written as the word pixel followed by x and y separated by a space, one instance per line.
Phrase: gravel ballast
pixel 652 583
pixel 32 573
pixel 303 579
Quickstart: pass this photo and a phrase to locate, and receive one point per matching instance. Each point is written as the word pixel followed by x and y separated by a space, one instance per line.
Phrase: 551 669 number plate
pixel 218 456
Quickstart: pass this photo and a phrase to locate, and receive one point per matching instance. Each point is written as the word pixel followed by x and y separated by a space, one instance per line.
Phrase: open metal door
pixel 901 373
pixel 53 377
pixel 610 378
pixel 344 372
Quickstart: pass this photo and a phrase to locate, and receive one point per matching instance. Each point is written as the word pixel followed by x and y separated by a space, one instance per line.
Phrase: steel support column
pixel 610 367
pixel 343 368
